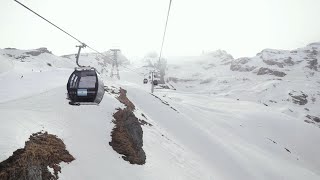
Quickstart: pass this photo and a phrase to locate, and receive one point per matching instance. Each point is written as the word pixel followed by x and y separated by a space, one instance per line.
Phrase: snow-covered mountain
pixel 287 81
pixel 34 60
pixel 218 124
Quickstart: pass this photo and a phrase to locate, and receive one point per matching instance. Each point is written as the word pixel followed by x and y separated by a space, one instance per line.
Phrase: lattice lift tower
pixel 115 63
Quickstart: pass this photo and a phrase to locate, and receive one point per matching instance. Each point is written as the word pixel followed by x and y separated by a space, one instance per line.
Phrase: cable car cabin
pixel 145 81
pixel 155 82
pixel 85 86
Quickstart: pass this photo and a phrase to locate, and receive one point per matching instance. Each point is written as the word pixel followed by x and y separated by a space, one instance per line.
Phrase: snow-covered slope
pixel 37 101
pixel 197 131
pixel 28 72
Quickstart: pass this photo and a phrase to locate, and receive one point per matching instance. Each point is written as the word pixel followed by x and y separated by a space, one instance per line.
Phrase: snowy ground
pixel 194 135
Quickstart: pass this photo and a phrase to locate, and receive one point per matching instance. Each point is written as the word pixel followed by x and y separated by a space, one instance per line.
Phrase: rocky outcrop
pixel 280 58
pixel 38 51
pixel 124 99
pixel 237 67
pixel 127 135
pixel 313 64
pixel 263 71
pixel 313 118
pixel 43 150
pixel 273 62
pixel 299 97
pixel 10 48
pixel 241 65
pixel 289 62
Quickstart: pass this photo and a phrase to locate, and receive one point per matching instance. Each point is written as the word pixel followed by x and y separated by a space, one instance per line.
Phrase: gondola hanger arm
pixel 78 55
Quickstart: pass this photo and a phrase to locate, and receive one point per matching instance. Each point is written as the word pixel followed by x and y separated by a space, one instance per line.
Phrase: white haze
pixel 242 28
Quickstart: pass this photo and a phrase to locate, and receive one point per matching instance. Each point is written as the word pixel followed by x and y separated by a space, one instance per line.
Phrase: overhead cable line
pixel 141 74
pixel 163 38
pixel 165 30
pixel 82 43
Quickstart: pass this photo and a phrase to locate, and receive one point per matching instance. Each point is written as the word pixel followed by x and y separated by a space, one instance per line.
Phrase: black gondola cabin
pixel 85 86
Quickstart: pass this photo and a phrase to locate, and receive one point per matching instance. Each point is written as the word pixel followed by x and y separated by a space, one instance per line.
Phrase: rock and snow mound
pixel 277 62
pixel 41 152
pixel 127 135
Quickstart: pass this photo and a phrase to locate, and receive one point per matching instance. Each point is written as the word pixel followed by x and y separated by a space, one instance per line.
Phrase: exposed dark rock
pixel 270 52
pixel 299 97
pixel 9 55
pixel 43 150
pixel 127 135
pixel 287 150
pixel 21 57
pixel 281 62
pixel 313 118
pixel 143 115
pixel 309 121
pixel 289 61
pixel 143 122
pixel 263 71
pixel 67 56
pixel 243 60
pixel 165 102
pixel 313 64
pixel 124 99
pixel 272 62
pixel 163 86
pixel 239 65
pixel 39 51
pixel 272 141
pixel 224 82
pixel 206 81
pixel 175 80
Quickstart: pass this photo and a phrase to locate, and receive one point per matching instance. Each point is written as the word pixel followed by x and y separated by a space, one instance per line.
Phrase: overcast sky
pixel 241 27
